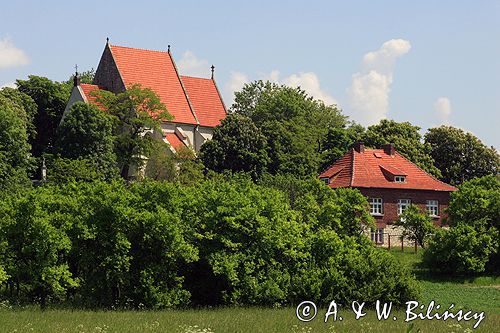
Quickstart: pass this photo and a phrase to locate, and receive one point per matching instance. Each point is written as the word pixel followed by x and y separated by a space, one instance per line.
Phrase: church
pixel 195 103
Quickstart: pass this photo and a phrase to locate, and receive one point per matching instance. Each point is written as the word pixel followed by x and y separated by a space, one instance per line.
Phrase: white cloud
pixel 191 65
pixel 8 85
pixel 307 81
pixel 442 106
pixel 236 82
pixel 10 55
pixel 369 90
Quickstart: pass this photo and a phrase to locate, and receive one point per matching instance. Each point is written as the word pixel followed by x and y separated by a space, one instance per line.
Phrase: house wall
pixel 202 134
pixel 418 197
pixel 196 135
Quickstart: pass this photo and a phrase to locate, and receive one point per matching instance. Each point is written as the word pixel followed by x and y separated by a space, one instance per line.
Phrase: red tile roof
pixel 155 70
pixel 91 98
pixel 357 169
pixel 174 140
pixel 205 100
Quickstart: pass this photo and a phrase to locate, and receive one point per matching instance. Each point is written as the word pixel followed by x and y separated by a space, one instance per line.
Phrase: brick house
pixel 391 183
pixel 195 103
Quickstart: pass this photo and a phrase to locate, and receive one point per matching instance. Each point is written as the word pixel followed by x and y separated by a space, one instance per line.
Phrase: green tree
pixel 236 145
pixel 294 124
pixel 85 77
pixel 134 112
pixel 34 229
pixel 15 159
pixel 476 203
pixel 338 141
pixel 51 98
pixel 461 156
pixel 27 104
pixel 85 133
pixel 191 168
pixel 407 141
pixel 417 225
pixel 473 242
pixel 161 164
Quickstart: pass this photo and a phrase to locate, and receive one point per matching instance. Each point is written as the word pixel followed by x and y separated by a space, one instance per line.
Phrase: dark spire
pixel 168 48
pixel 76 78
pixel 213 70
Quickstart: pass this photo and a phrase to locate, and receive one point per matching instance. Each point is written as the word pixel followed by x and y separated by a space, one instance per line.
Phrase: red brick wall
pixel 418 197
pixel 107 74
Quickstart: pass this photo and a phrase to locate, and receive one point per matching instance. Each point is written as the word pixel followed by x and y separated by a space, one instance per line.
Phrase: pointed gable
pixel 155 70
pixel 365 169
pixel 205 100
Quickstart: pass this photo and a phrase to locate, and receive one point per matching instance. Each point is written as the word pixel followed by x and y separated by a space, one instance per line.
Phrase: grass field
pixel 230 320
pixel 479 294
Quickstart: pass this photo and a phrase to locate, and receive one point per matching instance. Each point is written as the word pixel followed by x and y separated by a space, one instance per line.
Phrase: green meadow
pixel 478 294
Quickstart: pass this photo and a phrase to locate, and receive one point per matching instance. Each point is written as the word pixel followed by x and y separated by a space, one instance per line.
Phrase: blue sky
pixel 427 62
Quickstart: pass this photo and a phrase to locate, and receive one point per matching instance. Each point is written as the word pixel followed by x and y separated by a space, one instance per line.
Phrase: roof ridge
pixel 197 77
pixel 352 167
pixel 191 108
pixel 428 174
pixel 220 96
pixel 138 48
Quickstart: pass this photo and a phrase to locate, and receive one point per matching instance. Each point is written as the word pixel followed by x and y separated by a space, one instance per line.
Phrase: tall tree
pixel 294 124
pixel 407 141
pixel 87 133
pixel 338 141
pixel 461 156
pixel 134 112
pixel 27 104
pixel 237 145
pixel 15 159
pixel 51 98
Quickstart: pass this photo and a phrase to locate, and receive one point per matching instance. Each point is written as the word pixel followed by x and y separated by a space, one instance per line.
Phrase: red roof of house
pixel 155 70
pixel 91 98
pixel 205 100
pixel 365 169
pixel 174 140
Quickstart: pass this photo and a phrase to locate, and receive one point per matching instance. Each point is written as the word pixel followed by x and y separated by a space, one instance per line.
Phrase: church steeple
pixel 76 78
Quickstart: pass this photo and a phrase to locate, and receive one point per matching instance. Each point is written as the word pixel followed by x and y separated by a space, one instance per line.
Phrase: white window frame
pixel 399 179
pixel 402 205
pixel 376 206
pixel 433 208
pixel 377 236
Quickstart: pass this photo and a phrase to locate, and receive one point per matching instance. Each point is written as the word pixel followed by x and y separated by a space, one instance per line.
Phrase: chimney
pixel 389 149
pixel 359 147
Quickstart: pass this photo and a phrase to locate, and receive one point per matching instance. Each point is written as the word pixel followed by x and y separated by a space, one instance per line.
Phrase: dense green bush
pixel 461 249
pixel 472 245
pixel 225 241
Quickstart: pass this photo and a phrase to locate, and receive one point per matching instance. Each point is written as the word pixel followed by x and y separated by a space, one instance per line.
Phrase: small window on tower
pixel 399 179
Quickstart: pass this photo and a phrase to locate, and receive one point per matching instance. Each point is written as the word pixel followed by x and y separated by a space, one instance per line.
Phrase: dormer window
pixel 399 179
